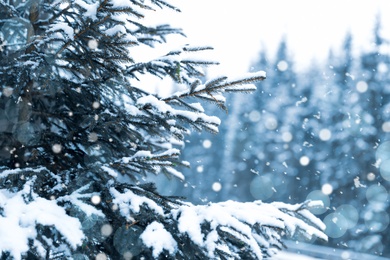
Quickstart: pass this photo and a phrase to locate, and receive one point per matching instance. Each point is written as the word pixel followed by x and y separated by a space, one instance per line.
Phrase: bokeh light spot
pixel 106 230
pixel 350 213
pixel 261 187
pixel 282 65
pixel 216 186
pixel 271 123
pixel 371 176
pixel 327 188
pixel 101 256
pixel 95 199
pixel 361 86
pixel 318 195
pixel 382 67
pixel 377 193
pixel 93 44
pixel 95 105
pixel 336 225
pixel 254 116
pixel 385 170
pixel 56 148
pixel 92 137
pixel 207 144
pixel 287 137
pixel 127 256
pixel 383 151
pixel 386 127
pixel 7 91
pixel 325 134
pixel 304 160
pixel 345 255
pixel 376 221
pixel 383 158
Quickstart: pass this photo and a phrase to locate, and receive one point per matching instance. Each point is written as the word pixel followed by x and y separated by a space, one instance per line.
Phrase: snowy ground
pixel 304 251
pixel 283 255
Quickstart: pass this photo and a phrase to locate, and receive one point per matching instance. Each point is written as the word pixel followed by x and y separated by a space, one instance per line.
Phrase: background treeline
pixel 317 134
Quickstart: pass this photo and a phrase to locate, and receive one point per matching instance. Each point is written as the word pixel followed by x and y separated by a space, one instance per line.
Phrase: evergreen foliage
pixel 80 135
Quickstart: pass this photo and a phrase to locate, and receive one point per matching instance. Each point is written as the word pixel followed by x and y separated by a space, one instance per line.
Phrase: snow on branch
pixel 161 4
pixel 129 203
pixel 75 199
pixel 158 238
pixel 164 161
pixel 197 48
pixel 160 107
pixel 216 86
pixel 21 214
pixel 11 172
pixel 234 227
pixel 307 221
pixel 177 64
pixel 251 230
pixel 147 155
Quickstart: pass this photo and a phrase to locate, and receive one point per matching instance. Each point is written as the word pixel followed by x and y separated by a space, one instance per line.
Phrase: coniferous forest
pixel 323 133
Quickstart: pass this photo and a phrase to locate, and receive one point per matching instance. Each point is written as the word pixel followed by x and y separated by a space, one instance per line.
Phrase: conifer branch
pixel 219 84
pixel 79 34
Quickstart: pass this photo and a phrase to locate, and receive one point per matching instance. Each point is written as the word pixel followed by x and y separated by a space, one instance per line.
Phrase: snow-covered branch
pixel 24 215
pixel 230 229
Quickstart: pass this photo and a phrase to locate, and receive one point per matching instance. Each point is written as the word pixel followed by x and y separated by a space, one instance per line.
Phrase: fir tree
pixel 263 156
pixel 80 135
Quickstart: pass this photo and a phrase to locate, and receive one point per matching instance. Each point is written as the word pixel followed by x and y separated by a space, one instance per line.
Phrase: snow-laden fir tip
pixel 234 217
pixel 90 9
pixel 64 27
pixel 162 107
pixel 129 203
pixel 19 220
pixel 158 238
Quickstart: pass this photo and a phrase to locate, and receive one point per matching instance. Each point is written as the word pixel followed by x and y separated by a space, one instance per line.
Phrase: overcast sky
pixel 240 29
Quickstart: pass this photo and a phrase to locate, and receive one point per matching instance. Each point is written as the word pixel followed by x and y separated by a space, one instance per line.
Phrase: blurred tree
pixel 261 155
pixel 320 134
pixel 370 147
pixel 337 145
pixel 205 170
